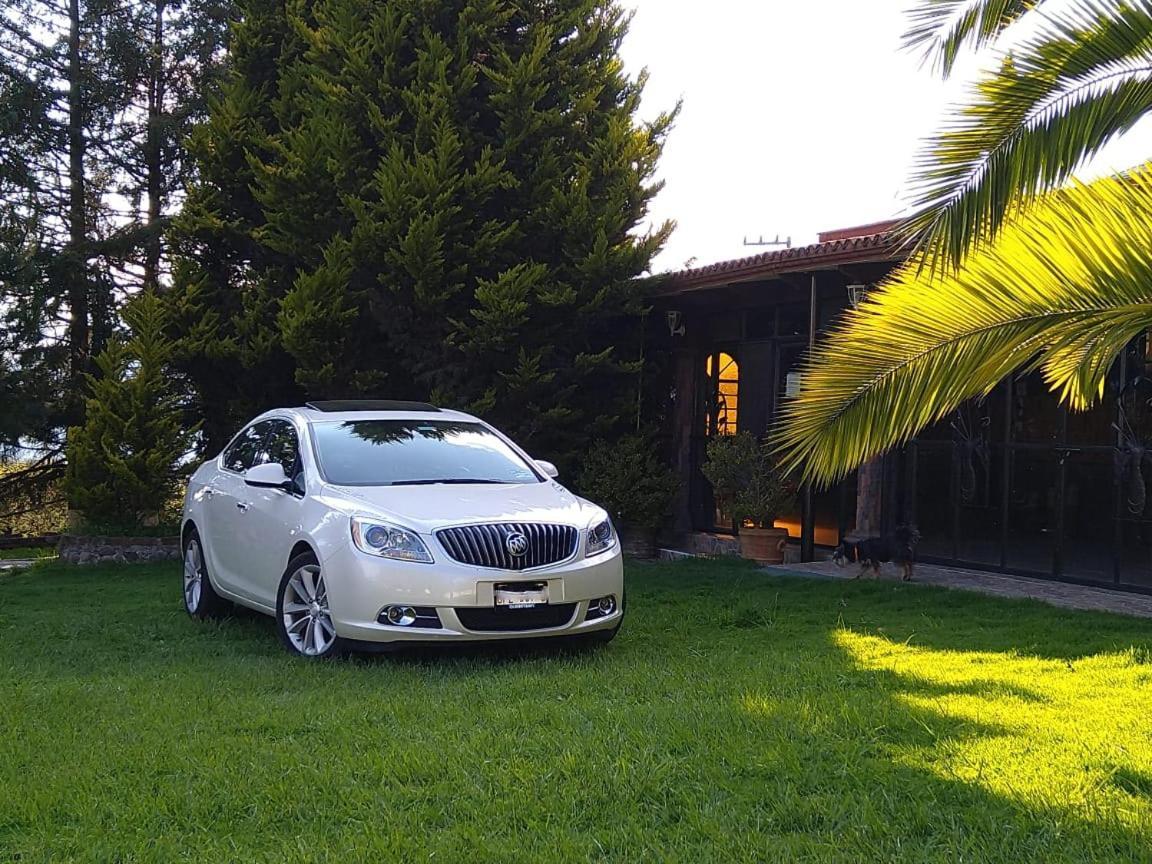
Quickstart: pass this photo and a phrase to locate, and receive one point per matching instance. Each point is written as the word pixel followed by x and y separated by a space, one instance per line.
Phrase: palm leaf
pixel 1064 288
pixel 941 29
pixel 1056 101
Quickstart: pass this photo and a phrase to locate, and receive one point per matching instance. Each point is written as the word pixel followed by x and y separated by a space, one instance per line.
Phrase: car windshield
pixel 416 452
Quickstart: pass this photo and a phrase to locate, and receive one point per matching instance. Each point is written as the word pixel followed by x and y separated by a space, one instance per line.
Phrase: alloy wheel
pixel 306 616
pixel 193 576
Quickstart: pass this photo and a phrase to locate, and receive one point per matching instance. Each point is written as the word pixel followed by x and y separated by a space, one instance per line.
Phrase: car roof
pixel 349 410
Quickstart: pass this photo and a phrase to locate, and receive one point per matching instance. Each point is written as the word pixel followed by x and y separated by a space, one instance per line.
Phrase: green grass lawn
pixel 802 721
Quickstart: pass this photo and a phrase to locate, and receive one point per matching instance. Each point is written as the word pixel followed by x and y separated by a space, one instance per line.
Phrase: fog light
pixel 600 607
pixel 401 616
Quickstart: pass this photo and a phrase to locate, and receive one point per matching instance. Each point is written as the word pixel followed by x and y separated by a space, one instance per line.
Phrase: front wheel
pixel 595 639
pixel 303 616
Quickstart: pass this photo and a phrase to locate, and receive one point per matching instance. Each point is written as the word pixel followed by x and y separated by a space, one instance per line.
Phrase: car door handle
pixel 242 505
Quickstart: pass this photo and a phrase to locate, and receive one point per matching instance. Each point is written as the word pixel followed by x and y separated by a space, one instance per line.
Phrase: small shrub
pixel 745 480
pixel 627 478
pixel 122 463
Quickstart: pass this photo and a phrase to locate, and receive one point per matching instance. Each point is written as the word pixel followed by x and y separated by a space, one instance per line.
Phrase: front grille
pixel 486 620
pixel 487 545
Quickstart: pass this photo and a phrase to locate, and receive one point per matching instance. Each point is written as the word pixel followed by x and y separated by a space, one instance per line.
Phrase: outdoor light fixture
pixel 856 293
pixel 675 322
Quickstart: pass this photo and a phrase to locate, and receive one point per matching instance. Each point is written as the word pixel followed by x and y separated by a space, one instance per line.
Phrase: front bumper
pixel 361 586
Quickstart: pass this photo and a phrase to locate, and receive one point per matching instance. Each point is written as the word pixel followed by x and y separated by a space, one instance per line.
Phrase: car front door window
pixel 282 446
pixel 243 452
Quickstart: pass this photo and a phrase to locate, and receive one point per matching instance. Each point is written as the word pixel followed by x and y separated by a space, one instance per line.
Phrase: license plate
pixel 521 599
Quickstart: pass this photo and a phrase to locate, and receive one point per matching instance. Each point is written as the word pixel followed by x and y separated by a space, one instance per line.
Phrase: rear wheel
pixel 303 616
pixel 200 598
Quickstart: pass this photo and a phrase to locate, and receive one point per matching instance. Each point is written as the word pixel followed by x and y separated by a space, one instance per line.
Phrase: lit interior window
pixel 724 373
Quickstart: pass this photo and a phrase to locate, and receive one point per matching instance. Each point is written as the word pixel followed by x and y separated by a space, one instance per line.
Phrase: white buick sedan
pixel 361 525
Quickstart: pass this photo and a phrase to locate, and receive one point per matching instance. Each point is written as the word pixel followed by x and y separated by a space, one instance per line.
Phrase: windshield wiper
pixel 447 481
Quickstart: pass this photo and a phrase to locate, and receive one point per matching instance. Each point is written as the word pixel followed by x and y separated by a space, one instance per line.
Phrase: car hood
pixel 426 508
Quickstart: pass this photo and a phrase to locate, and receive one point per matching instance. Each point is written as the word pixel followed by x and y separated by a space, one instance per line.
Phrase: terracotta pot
pixel 765 545
pixel 638 542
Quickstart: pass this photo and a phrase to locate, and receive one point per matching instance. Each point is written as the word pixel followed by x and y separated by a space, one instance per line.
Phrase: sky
pixel 797 117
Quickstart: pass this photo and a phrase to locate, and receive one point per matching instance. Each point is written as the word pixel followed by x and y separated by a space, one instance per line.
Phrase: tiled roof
pixel 846 248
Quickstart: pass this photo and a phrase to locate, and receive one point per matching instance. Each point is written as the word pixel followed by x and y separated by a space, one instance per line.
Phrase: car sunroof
pixel 333 406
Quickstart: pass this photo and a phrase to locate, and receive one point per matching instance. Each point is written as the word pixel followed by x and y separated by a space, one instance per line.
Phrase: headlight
pixel 601 538
pixel 388 541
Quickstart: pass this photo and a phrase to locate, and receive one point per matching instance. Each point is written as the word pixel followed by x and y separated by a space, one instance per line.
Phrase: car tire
pixel 200 599
pixel 591 641
pixel 603 637
pixel 303 616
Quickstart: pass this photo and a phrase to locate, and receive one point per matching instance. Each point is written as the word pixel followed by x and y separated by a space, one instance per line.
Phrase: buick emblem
pixel 516 544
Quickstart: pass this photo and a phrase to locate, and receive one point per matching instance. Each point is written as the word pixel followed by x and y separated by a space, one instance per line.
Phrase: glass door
pixel 719 414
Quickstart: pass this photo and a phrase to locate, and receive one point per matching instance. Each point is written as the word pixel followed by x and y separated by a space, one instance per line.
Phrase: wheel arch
pixel 186 530
pixel 301 547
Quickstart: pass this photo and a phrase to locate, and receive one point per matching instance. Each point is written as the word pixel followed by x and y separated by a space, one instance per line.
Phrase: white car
pixel 360 525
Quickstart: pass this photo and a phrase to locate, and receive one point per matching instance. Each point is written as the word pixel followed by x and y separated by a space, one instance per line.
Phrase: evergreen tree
pixel 59 98
pixel 95 98
pixel 122 462
pixel 423 199
pixel 174 65
pixel 221 305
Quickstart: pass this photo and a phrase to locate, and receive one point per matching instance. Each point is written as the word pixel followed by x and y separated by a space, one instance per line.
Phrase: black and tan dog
pixel 871 552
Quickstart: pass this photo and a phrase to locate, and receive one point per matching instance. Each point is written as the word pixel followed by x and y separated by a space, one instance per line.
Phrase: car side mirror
pixel 270 475
pixel 548 468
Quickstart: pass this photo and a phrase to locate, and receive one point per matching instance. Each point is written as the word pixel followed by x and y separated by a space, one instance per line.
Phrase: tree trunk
pixel 79 327
pixel 153 145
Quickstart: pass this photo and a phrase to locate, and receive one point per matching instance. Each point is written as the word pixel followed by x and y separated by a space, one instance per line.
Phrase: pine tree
pixel 224 301
pixel 95 99
pixel 426 200
pixel 122 462
pixel 58 102
pixel 174 65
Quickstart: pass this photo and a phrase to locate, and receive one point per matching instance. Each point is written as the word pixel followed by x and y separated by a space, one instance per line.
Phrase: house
pixel 1011 483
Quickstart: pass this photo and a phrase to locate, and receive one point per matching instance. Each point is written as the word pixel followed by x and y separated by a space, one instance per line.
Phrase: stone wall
pixel 79 549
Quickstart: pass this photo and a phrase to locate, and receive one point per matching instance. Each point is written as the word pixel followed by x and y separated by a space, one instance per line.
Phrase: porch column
pixel 808 499
pixel 682 419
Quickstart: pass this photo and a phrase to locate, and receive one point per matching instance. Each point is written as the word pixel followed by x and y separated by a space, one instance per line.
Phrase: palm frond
pixel 1064 288
pixel 941 29
pixel 1057 100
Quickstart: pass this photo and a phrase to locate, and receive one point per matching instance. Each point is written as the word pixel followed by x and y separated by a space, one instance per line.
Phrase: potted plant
pixel 627 478
pixel 751 492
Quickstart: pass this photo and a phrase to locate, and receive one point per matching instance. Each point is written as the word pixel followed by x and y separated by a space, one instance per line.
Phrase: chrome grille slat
pixel 450 545
pixel 473 540
pixel 533 557
pixel 490 551
pixel 485 545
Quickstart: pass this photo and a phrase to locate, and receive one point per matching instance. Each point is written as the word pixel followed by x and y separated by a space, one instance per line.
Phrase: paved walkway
pixel 17 563
pixel 996 584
